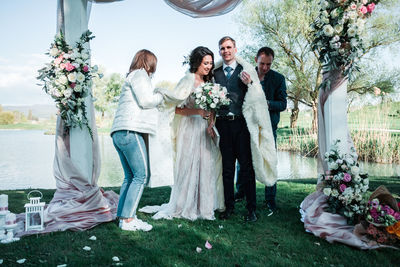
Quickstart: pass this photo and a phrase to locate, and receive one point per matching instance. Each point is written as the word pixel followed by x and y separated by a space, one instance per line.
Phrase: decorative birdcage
pixel 34 212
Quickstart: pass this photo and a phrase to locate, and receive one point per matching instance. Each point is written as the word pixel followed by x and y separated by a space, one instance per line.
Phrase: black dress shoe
pixel 226 214
pixel 239 196
pixel 250 217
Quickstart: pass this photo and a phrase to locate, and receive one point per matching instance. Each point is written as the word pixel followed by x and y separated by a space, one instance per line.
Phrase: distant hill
pixel 41 111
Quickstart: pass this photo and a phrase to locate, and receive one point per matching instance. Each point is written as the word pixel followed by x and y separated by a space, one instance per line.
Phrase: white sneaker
pixel 136 224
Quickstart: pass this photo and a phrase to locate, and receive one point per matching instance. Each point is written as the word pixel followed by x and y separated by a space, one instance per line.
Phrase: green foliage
pixel 7 117
pixel 278 240
pixel 106 91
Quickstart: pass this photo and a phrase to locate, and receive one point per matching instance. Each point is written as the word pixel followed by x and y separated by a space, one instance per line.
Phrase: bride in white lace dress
pixel 197 189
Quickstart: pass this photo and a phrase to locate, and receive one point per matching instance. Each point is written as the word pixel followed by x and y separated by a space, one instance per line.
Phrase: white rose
pixel 342 51
pixel 328 30
pixel 76 65
pixel 212 105
pixel 53 52
pixel 333 166
pixel 325 13
pixel 198 95
pixel 216 100
pixel 327 191
pixel 72 77
pixel 68 93
pixel 352 15
pixel 366 181
pixel 351 32
pixel 338 28
pixel 80 77
pixel 334 13
pixel 355 170
pixel 62 79
pixel 84 56
pixel 334 193
pixel 78 88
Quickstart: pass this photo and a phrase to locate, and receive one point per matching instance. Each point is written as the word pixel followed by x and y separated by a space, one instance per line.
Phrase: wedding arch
pixel 78 202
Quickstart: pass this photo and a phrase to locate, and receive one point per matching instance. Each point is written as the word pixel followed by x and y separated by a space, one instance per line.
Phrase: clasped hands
pixel 210 117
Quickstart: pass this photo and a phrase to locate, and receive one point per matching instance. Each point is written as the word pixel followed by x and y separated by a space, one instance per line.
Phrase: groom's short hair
pixel 226 38
pixel 267 51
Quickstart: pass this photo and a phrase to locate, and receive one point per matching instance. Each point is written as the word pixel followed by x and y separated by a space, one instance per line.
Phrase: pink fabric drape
pixel 77 204
pixel 332 227
pixel 203 8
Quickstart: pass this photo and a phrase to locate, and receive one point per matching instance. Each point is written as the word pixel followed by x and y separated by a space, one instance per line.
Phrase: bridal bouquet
pixel 344 185
pixel 68 79
pixel 211 96
pixel 337 32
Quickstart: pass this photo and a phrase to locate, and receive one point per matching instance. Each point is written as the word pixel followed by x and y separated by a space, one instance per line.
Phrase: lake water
pixel 26 161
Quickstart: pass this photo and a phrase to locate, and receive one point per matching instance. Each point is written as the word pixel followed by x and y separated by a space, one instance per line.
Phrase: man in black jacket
pixel 274 86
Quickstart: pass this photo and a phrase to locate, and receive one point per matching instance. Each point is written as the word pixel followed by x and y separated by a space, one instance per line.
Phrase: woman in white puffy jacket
pixel 136 117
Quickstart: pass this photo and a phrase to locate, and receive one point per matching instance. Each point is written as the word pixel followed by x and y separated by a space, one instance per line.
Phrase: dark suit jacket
pixel 274 87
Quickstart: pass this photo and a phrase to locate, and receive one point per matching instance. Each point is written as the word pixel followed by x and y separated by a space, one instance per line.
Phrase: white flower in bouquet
pixel 54 52
pixel 324 4
pixel 62 79
pixel 353 42
pixel 338 28
pixel 357 179
pixel 344 167
pixel 78 88
pixel 325 13
pixel 334 13
pixel 76 65
pixel 216 100
pixel 366 181
pixel 213 105
pixel 80 77
pixel 358 197
pixel 66 56
pixel 333 166
pixel 327 191
pixel 68 93
pixel 355 170
pixel 335 192
pixel 352 15
pixel 79 61
pixel 328 30
pixel 352 31
pixel 85 56
pixel 72 77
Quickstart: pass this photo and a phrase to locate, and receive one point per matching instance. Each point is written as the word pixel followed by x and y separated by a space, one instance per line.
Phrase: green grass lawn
pixel 278 240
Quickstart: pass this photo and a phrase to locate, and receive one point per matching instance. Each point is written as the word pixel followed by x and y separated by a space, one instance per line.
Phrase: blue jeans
pixel 132 152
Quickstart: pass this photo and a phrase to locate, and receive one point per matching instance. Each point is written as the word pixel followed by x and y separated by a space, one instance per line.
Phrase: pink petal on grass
pixel 208 245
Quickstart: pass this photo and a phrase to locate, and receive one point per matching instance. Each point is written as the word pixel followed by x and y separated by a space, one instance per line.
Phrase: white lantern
pixel 34 212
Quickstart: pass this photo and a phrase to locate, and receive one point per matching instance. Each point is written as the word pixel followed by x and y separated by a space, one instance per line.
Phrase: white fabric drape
pixel 203 8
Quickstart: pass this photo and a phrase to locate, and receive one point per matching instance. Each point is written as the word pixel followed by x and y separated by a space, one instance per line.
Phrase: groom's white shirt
pixel 233 65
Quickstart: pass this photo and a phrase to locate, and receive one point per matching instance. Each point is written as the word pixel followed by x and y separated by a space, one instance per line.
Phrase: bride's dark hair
pixel 196 57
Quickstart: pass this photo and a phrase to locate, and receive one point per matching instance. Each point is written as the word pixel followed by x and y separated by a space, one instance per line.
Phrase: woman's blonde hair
pixel 144 59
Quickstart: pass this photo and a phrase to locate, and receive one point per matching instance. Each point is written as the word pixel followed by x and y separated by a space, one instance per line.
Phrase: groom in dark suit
pixel 274 86
pixel 231 125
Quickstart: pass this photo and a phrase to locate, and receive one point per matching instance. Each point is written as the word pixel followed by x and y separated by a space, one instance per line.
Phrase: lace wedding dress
pixel 198 188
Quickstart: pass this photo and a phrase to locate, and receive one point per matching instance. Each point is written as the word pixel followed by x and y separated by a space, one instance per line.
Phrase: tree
pixel 285 27
pixel 106 92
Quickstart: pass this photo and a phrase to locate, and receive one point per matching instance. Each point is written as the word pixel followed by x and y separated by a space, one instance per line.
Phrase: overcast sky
pixel 28 27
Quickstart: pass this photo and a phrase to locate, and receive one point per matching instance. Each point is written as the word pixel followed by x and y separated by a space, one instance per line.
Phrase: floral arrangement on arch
pixel 337 33
pixel 211 96
pixel 68 79
pixel 344 185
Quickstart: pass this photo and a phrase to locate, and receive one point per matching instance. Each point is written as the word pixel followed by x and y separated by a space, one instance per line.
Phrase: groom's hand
pixel 245 77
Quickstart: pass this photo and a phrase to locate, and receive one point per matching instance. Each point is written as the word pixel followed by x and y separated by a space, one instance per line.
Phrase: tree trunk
pixel 295 114
pixel 314 126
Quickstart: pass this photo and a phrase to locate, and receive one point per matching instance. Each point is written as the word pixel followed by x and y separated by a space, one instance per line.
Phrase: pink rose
pixel 347 177
pixel 342 187
pixel 371 7
pixel 353 6
pixel 85 68
pixel 72 85
pixel 58 60
pixel 62 66
pixel 69 66
pixel 363 9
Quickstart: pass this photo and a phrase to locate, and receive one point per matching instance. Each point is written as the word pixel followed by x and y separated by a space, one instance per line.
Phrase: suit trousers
pixel 235 145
